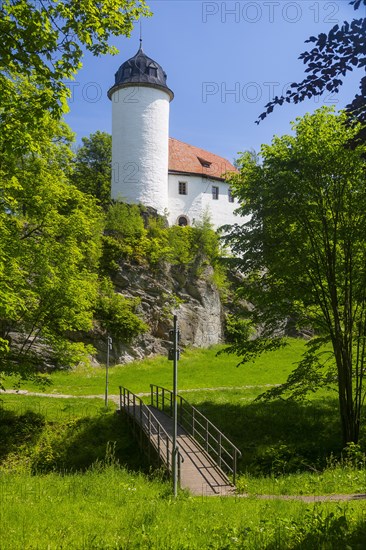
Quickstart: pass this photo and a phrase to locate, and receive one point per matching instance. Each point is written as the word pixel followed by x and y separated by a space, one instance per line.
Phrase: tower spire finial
pixel 140 34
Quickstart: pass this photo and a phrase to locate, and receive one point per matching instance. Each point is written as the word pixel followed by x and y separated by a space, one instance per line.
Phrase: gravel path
pixel 143 394
pixel 114 398
pixel 308 498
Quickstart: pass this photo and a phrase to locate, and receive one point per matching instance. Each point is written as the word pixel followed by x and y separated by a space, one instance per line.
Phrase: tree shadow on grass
pixel 87 440
pixel 67 446
pixel 279 437
pixel 18 431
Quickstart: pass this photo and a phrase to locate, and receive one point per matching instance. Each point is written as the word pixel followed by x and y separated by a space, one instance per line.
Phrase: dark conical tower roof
pixel 140 70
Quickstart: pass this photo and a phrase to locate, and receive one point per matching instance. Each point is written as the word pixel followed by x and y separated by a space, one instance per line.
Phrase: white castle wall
pixel 199 200
pixel 140 129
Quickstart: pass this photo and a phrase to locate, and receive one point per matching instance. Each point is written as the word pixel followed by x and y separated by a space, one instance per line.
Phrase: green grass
pixel 110 508
pixel 277 437
pixel 61 485
pixel 44 434
pixel 286 447
pixel 198 368
pixel 52 409
pixel 339 479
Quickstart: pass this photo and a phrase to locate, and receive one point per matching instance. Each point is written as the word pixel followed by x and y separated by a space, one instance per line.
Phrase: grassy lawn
pixel 337 479
pixel 276 439
pixel 40 435
pixel 71 475
pixel 108 507
pixel 197 369
pixel 53 410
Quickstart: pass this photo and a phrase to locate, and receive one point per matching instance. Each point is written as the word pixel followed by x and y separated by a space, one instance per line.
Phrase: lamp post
pixel 174 355
pixel 109 347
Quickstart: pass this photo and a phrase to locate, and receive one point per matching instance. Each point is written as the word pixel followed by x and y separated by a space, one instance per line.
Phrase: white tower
pixel 140 133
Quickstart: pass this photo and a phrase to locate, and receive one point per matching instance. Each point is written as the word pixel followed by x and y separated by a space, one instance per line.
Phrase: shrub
pixel 116 314
pixel 237 330
pixel 125 225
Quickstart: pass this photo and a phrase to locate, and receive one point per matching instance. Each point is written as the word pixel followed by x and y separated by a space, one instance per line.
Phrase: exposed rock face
pixel 171 289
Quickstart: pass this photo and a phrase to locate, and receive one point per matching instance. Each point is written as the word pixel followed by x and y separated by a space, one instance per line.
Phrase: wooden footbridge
pixel 205 455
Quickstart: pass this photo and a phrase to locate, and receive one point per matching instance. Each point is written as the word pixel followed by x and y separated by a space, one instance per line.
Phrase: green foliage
pixel 49 230
pixel 206 241
pixel 303 251
pixel 236 329
pixel 328 62
pixel 66 353
pixel 207 247
pixel 93 167
pixel 45 41
pixel 158 247
pixel 181 242
pixel 115 314
pixel 125 222
pixel 279 460
pixel 50 234
pixel 353 456
pixel 132 235
pixel 125 236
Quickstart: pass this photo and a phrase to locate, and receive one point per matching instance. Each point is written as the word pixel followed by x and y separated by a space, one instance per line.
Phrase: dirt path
pixel 115 399
pixel 308 498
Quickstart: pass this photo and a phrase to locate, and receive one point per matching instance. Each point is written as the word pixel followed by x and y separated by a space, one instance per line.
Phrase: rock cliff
pixel 170 289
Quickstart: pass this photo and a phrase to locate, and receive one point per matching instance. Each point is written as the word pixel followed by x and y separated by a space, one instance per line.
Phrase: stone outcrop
pixel 171 289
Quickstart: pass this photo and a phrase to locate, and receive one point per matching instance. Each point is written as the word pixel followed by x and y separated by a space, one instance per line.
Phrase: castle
pixel 178 180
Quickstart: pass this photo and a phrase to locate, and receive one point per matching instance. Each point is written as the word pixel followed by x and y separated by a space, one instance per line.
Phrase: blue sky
pixel 224 60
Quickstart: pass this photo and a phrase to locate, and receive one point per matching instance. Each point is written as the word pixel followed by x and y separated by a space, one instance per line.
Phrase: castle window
pixel 152 70
pixel 183 221
pixel 215 193
pixel 182 188
pixel 127 71
pixel 230 195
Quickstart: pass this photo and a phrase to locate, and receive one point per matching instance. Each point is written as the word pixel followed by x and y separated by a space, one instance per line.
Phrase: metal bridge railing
pixel 150 425
pixel 216 444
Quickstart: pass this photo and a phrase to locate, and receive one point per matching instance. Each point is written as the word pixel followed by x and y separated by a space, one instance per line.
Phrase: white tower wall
pixel 140 146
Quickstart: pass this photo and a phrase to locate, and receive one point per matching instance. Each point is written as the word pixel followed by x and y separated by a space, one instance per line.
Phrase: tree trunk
pixel 350 422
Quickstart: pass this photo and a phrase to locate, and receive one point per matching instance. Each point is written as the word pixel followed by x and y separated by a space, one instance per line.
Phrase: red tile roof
pixel 187 159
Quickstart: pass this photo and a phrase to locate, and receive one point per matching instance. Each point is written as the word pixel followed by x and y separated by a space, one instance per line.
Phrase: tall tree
pixel 303 254
pixel 49 231
pixel 50 241
pixel 333 56
pixel 93 167
pixel 45 39
pixel 51 290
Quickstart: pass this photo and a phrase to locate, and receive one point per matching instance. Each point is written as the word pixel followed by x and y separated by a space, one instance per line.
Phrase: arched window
pixel 127 71
pixel 183 221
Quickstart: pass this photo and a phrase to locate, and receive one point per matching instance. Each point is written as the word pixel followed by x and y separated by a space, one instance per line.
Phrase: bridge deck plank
pixel 199 473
